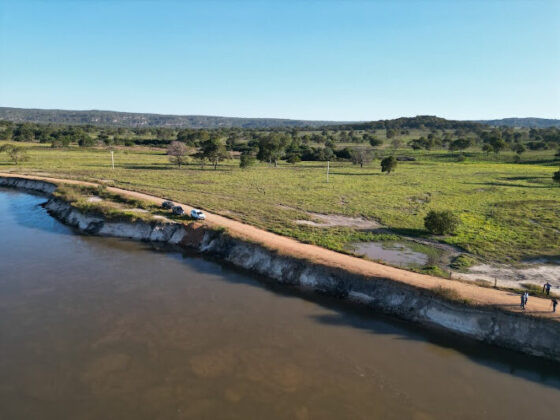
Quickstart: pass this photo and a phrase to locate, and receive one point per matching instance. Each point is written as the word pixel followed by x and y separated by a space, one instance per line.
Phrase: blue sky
pixel 331 60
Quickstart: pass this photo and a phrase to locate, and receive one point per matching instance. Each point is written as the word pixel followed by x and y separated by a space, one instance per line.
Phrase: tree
pixel 498 144
pixel 556 177
pixel 519 148
pixel 16 153
pixel 441 222
pixel 246 160
pixel 375 142
pixel 177 152
pixel 388 164
pixel 361 157
pixel 486 148
pixel 271 148
pixel 23 132
pixel 293 158
pixel 86 141
pixel 213 150
pixel 459 144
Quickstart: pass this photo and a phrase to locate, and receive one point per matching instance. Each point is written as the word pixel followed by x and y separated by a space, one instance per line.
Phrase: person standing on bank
pixel 554 303
pixel 546 288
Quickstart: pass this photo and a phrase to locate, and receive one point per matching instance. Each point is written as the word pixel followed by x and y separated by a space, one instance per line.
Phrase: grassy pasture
pixel 508 211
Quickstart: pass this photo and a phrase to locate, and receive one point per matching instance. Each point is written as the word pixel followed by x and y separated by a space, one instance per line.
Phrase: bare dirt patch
pixel 513 277
pixel 335 220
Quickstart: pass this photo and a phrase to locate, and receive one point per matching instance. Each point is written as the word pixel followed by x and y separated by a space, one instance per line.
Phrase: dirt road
pixel 287 246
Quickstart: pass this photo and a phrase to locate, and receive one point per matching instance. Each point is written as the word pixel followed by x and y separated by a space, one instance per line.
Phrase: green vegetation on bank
pixel 496 184
pixel 507 211
pixel 100 202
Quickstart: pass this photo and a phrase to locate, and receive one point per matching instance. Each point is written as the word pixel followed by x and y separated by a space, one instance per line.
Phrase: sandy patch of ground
pixel 94 199
pixel 513 277
pixel 332 220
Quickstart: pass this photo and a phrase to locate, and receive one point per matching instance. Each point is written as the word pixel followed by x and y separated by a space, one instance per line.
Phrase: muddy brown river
pixel 97 328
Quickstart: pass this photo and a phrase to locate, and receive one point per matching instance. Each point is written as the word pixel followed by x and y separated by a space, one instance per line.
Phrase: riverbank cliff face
pixel 531 335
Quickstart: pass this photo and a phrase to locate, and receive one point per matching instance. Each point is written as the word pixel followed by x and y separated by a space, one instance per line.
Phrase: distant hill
pixel 418 122
pixel 130 119
pixel 133 119
pixel 523 122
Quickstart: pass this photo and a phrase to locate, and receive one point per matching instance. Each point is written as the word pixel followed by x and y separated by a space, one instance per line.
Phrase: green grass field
pixel 508 211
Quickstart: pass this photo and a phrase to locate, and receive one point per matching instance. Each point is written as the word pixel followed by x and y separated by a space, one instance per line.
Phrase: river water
pixel 97 328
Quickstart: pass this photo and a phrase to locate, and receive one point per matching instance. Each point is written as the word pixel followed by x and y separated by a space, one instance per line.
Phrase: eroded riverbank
pixel 492 324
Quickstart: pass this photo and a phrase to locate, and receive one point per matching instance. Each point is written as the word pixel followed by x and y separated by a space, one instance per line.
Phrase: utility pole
pixel 328 169
pixel 112 160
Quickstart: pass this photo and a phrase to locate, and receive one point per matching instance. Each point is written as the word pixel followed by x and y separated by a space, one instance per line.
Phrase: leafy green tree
pixel 375 142
pixel 86 141
pixel 213 150
pixel 497 144
pixel 519 149
pixel 293 158
pixel 246 160
pixel 23 132
pixel 6 133
pixel 390 133
pixel 556 177
pixel 388 164
pixel 459 144
pixel 326 154
pixel 271 148
pixel 441 222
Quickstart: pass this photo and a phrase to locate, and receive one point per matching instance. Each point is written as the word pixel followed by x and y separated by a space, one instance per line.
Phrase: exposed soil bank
pixel 513 277
pixel 532 335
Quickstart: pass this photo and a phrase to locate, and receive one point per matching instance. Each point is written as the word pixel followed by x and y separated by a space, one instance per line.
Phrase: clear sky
pixel 330 60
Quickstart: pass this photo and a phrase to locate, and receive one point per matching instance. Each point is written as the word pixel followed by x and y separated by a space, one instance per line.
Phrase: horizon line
pixel 271 118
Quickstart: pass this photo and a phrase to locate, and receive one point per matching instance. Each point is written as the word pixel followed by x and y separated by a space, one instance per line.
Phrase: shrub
pixel 86 141
pixel 388 164
pixel 462 262
pixel 556 177
pixel 441 222
pixel 246 160
pixel 434 270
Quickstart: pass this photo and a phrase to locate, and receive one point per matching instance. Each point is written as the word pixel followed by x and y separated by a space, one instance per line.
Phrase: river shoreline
pixel 528 334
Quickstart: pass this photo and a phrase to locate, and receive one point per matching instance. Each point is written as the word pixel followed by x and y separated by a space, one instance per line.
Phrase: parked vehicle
pixel 167 205
pixel 197 214
pixel 178 210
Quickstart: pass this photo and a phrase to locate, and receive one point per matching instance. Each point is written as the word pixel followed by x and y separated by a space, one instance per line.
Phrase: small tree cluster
pixel 441 222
